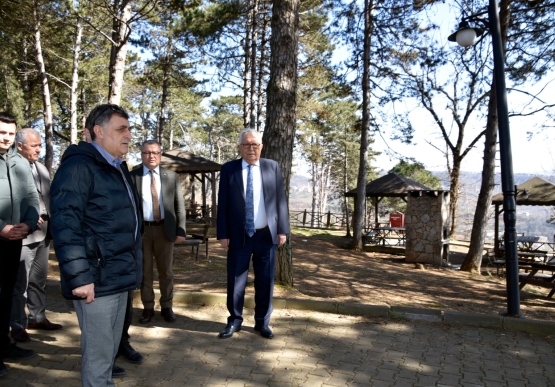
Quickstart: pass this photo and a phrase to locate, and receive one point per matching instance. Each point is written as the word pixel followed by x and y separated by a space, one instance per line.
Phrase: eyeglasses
pixel 151 153
pixel 252 146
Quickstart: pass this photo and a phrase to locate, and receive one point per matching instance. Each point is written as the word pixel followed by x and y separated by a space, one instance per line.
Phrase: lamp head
pixel 465 35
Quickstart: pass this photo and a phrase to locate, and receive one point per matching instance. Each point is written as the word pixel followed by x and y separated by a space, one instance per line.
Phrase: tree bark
pixel 120 37
pixel 25 84
pixel 48 124
pixel 165 88
pixel 281 108
pixel 365 130
pixel 75 81
pixel 473 260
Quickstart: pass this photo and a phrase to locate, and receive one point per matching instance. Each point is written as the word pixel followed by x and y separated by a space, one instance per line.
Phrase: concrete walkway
pixel 310 349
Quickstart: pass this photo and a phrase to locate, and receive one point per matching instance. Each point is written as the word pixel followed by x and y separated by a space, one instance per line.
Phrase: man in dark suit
pixel 253 220
pixel 164 214
pixel 30 288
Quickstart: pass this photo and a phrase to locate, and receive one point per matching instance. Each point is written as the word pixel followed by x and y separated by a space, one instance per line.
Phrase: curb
pixel 478 320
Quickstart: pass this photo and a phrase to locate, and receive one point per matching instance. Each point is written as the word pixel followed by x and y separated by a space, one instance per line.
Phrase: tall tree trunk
pixel 455 193
pixel 281 108
pixel 84 111
pixel 165 88
pixel 345 189
pixel 252 93
pixel 473 260
pixel 75 82
pixel 315 181
pixel 248 63
pixel 25 83
pixel 48 124
pixel 363 158
pixel 118 53
pixel 261 65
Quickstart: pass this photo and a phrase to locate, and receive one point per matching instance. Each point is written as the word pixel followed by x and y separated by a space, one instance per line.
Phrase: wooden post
pixel 304 217
pixel 329 219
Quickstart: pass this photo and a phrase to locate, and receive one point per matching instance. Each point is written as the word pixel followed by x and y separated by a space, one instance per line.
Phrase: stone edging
pixel 540 327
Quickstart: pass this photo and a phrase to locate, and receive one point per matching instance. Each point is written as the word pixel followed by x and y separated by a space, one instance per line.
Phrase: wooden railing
pixel 321 220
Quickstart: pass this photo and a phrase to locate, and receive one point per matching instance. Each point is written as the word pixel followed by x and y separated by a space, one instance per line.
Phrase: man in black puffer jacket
pixel 96 227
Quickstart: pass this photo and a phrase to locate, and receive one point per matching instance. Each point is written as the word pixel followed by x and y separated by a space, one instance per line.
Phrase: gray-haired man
pixel 30 287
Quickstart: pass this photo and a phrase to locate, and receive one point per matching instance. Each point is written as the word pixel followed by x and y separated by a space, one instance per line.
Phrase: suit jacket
pixel 43 231
pixel 172 200
pixel 231 201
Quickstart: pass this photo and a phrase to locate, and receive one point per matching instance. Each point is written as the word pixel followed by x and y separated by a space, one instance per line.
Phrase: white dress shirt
pixel 148 213
pixel 260 220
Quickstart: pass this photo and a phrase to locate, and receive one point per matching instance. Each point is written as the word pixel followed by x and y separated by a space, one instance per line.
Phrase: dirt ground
pixel 325 271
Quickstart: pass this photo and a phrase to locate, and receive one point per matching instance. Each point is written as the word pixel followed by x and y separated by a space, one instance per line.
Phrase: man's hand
pixel 86 292
pixel 224 243
pixel 281 239
pixel 41 221
pixel 179 239
pixel 15 232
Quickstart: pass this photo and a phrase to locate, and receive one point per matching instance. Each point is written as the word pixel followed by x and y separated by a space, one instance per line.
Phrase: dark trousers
pixel 9 266
pixel 128 318
pixel 263 252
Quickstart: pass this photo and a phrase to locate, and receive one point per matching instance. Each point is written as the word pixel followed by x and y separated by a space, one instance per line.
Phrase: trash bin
pixel 397 219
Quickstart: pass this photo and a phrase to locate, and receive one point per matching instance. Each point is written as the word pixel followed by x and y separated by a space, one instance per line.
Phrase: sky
pixel 530 155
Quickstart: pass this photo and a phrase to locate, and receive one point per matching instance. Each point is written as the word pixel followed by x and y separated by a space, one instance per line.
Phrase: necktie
pixel 249 207
pixel 155 199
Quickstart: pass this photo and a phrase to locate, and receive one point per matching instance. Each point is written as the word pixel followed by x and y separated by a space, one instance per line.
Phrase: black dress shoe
pixel 20 335
pixel 146 316
pixel 265 332
pixel 118 372
pixel 168 314
pixel 45 325
pixel 228 331
pixel 129 354
pixel 16 353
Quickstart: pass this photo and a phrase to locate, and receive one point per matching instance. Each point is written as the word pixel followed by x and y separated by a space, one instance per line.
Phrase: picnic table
pixel 533 277
pixel 530 242
pixel 390 236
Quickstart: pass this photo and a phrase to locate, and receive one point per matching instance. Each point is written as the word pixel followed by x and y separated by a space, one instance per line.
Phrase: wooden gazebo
pixel 197 167
pixel 390 185
pixel 534 192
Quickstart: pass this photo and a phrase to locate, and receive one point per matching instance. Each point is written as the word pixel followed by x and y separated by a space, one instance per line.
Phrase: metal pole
pixel 507 180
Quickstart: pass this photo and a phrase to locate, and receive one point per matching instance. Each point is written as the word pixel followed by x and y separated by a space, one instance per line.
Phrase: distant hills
pixel 531 220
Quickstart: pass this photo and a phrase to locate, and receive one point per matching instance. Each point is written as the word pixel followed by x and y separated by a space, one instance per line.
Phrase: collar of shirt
pixel 245 164
pixel 109 158
pixel 146 171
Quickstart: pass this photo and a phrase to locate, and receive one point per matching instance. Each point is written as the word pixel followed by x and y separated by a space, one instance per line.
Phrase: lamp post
pixel 465 36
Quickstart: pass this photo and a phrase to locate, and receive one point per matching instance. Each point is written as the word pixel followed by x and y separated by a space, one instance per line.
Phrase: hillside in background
pixel 531 220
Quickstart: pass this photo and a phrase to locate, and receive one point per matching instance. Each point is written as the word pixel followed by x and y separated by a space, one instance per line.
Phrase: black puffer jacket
pixel 93 224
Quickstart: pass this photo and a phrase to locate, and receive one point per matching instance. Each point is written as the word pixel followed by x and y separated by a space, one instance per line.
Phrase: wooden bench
pixel 201 232
pixel 539 279
pixel 193 242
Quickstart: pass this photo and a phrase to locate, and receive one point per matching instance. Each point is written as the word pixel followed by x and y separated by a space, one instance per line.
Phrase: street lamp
pixel 465 36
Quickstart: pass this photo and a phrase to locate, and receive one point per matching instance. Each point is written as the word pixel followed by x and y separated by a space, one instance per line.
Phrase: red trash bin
pixel 397 219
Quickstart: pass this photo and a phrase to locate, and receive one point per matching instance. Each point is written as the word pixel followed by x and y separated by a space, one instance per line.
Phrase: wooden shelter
pixel 390 185
pixel 197 167
pixel 533 192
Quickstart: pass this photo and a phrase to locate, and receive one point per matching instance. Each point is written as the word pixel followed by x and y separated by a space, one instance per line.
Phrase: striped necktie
pixel 249 207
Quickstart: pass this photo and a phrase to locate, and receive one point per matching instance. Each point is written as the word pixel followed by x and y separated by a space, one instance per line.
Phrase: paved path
pixel 310 349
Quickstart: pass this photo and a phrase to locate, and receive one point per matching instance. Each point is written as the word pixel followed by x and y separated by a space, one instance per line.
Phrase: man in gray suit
pixel 30 287
pixel 164 220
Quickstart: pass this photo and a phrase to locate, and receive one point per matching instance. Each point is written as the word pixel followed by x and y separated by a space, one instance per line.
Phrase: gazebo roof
pixel 390 185
pixel 540 192
pixel 185 162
